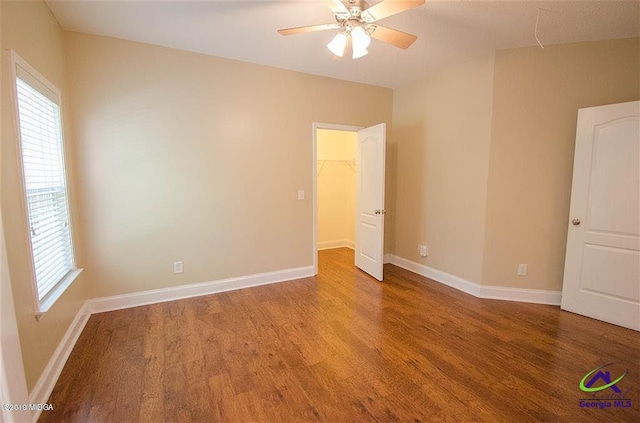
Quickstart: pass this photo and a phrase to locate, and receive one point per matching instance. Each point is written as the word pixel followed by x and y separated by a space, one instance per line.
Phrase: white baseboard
pixel 437 275
pixel 118 302
pixel 47 381
pixel 537 296
pixel 341 243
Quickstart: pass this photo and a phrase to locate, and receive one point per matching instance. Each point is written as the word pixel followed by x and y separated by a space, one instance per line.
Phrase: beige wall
pixel 195 158
pixel 336 187
pixel 537 93
pixel 30 29
pixel 485 156
pixel 441 135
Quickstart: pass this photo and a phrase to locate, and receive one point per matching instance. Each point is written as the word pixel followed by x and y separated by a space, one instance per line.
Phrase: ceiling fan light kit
pixel 361 41
pixel 355 20
pixel 338 44
pixel 356 37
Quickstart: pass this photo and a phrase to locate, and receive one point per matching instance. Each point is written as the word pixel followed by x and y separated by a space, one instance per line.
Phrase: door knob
pixel 575 221
pixel 378 211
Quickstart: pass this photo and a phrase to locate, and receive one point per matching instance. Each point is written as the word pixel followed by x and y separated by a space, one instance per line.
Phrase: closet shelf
pixel 350 163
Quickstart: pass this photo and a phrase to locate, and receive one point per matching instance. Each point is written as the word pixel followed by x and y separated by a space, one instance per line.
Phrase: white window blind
pixel 45 184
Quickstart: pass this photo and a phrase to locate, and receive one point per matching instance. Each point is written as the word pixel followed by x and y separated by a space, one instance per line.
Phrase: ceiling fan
pixel 356 21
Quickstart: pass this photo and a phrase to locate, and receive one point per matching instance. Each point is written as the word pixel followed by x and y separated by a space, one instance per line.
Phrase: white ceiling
pixel 448 31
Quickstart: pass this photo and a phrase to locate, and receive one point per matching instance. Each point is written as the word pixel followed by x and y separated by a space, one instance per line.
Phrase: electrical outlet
pixel 522 269
pixel 178 267
pixel 422 250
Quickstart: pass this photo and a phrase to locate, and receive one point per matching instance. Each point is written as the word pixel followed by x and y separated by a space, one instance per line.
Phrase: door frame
pixel 314 169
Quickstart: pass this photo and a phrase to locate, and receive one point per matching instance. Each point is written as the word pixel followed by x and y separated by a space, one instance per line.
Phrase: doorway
pixel 369 207
pixel 334 195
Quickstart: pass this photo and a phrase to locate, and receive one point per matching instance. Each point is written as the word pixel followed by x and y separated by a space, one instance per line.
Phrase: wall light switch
pixel 178 267
pixel 300 194
pixel 522 269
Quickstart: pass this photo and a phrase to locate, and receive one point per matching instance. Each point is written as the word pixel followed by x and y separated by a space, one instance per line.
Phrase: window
pixel 45 185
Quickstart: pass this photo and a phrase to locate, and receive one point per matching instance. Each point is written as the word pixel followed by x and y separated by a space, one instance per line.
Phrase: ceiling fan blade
pixel 310 28
pixel 338 8
pixel 392 36
pixel 387 8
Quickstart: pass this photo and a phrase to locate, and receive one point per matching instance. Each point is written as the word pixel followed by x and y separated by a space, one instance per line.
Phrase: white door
pixel 602 266
pixel 370 161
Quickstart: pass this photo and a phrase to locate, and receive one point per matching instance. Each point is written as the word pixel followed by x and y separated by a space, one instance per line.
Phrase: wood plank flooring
pixel 342 347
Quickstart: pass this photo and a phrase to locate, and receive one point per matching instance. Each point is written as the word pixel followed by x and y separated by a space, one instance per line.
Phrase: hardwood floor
pixel 342 347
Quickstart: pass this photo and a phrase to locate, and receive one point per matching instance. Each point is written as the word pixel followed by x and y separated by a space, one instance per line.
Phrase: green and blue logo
pixel 604 376
pixel 603 389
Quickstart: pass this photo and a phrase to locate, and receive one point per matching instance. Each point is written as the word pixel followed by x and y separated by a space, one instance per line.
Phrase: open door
pixel 370 162
pixel 602 266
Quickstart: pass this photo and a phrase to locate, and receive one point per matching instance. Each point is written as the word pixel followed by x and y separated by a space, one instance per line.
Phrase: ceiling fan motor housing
pixel 353 18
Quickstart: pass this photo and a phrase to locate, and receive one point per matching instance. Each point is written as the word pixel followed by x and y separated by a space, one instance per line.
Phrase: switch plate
pixel 522 269
pixel 422 250
pixel 178 267
pixel 300 194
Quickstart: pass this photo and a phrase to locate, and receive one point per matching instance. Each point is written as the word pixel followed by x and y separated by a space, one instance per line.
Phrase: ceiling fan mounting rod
pixel 356 7
pixel 359 5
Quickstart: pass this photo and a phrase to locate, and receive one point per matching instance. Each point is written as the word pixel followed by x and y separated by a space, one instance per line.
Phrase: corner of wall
pixel 442 166
pixel 536 95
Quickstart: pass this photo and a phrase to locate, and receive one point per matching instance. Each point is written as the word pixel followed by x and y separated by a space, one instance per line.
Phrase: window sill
pixel 49 300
